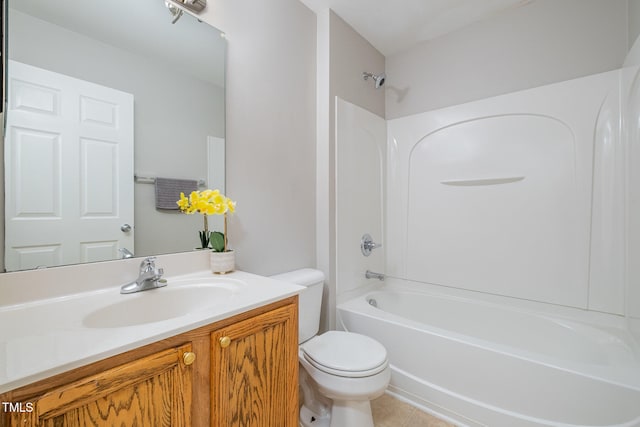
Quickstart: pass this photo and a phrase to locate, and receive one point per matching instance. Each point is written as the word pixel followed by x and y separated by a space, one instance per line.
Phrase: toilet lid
pixel 346 354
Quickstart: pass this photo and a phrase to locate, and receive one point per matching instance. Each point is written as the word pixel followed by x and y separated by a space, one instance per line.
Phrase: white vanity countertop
pixel 46 337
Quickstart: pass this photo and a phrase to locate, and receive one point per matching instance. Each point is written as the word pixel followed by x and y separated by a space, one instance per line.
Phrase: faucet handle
pixel 148 264
pixel 367 244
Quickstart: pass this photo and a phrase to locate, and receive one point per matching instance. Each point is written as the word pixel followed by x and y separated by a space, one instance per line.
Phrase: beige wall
pixel 543 42
pixel 350 55
pixel 270 130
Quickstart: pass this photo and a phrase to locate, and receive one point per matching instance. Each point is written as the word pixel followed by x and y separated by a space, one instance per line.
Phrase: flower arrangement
pixel 209 202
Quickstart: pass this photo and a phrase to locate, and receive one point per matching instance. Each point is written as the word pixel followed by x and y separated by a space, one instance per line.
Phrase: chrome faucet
pixel 125 253
pixel 149 278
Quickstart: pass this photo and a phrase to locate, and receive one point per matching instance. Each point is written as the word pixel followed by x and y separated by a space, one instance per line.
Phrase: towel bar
pixel 152 180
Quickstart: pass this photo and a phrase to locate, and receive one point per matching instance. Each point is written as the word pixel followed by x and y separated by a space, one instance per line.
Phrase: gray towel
pixel 168 191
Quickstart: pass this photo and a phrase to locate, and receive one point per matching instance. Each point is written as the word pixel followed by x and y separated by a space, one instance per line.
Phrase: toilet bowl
pixel 340 371
pixel 348 368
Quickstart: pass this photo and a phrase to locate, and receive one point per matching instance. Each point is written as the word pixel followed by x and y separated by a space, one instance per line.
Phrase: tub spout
pixel 371 275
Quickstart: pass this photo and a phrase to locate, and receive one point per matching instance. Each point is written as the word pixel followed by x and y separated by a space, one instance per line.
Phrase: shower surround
pixel 496 195
pixel 520 206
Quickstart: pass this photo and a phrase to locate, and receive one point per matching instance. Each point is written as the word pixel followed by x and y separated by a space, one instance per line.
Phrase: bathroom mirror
pixel 157 85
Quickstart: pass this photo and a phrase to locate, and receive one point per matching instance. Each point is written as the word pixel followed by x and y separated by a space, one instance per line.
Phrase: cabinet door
pixel 153 391
pixel 254 376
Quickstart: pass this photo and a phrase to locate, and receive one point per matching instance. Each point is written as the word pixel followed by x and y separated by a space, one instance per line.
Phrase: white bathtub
pixel 481 362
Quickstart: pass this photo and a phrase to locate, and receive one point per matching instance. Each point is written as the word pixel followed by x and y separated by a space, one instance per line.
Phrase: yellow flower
pixel 206 202
pixel 183 202
pixel 231 205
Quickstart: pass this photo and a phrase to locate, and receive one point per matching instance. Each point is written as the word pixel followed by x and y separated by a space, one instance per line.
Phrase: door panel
pixel 69 163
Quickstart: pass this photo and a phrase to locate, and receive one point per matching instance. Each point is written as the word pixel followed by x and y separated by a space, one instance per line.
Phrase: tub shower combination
pixel 505 301
pixel 502 365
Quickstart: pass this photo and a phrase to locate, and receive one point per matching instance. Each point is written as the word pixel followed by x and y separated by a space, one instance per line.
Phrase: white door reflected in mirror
pixel 66 137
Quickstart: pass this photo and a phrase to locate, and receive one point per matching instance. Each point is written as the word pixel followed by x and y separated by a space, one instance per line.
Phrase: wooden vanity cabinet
pixel 241 371
pixel 151 391
pixel 255 373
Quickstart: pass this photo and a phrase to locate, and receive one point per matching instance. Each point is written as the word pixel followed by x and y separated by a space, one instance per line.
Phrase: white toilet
pixel 340 372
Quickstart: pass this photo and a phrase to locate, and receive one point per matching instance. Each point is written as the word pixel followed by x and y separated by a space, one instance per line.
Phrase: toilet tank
pixel 309 300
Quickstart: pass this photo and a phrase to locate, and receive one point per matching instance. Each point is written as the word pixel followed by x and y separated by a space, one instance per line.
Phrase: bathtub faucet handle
pixel 367 244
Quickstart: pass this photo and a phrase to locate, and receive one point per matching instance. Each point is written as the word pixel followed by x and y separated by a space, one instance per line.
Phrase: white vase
pixel 222 262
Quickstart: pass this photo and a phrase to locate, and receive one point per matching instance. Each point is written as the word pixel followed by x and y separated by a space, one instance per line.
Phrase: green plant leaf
pixel 217 241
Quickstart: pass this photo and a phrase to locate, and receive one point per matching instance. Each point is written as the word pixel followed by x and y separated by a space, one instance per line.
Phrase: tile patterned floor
pixel 390 412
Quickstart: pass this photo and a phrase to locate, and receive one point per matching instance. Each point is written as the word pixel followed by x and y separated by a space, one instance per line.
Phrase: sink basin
pixel 160 304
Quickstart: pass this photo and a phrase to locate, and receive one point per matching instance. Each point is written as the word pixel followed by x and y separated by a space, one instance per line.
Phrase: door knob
pixel 224 342
pixel 125 228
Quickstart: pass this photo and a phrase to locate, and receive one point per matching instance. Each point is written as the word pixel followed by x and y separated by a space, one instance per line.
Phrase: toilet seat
pixel 345 354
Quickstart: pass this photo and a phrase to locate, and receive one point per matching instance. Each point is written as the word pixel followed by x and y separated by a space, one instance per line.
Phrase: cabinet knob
pixel 224 342
pixel 188 358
